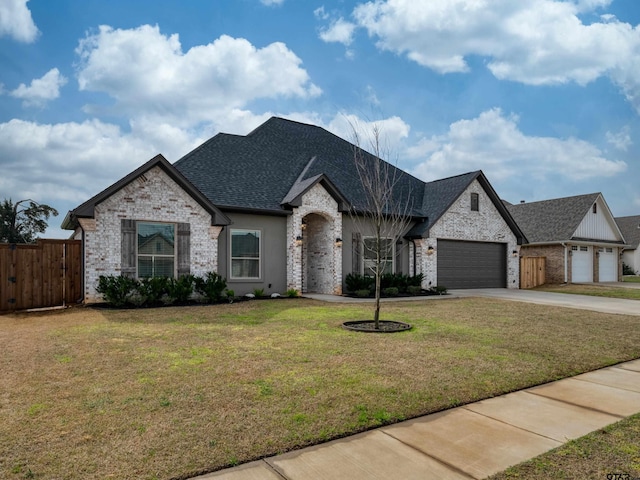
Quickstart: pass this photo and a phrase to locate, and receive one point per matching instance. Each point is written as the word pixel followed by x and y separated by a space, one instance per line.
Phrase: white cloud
pixel 320 13
pixel 492 142
pixel 621 140
pixel 339 31
pixel 16 21
pixel 149 76
pixel 42 89
pixel 391 133
pixel 270 3
pixel 536 42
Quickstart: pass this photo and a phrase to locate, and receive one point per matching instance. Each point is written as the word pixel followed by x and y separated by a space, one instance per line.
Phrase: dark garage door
pixel 472 264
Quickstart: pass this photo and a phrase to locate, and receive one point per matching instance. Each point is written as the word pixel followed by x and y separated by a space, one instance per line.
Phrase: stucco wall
pixel 154 197
pixel 273 253
pixel 632 258
pixel 460 223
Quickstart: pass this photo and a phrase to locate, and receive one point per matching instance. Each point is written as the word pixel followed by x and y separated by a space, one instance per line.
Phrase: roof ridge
pixel 557 199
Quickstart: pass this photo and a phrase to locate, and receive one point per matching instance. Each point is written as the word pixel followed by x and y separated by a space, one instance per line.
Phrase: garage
pixel 581 264
pixel 472 264
pixel 608 264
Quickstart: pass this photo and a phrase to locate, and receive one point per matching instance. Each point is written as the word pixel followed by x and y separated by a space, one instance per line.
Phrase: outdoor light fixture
pixel 299 240
pixel 514 253
pixel 338 242
pixel 430 250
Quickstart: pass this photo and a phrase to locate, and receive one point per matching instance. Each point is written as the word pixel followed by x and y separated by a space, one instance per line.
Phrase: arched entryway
pixel 318 255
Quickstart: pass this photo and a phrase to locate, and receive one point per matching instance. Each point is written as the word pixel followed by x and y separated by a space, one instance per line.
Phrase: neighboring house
pixel 630 227
pixel 270 210
pixel 578 236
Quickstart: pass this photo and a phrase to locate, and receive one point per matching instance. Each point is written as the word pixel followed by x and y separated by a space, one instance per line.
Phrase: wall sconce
pixel 299 240
pixel 338 242
pixel 304 224
pixel 514 253
pixel 430 250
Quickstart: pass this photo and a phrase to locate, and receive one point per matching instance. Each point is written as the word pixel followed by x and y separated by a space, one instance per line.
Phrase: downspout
pixel 413 242
pixel 566 263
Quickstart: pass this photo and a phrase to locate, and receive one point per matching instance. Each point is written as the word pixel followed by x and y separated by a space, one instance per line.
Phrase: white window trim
pixel 231 258
pixel 393 254
pixel 175 246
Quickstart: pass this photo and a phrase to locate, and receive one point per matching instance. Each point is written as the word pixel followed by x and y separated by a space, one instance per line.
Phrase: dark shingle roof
pixel 552 220
pixel 258 171
pixel 630 228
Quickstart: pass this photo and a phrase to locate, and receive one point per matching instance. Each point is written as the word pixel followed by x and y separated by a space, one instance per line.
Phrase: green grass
pixel 602 454
pixel 174 392
pixel 634 279
pixel 593 290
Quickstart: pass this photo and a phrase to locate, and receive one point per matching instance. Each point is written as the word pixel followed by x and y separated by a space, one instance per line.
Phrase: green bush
pixel 390 292
pixel 627 270
pixel 150 290
pixel 211 286
pixel 179 290
pixel 363 293
pixel 231 295
pixel 415 280
pixel 292 293
pixel 355 282
pixel 116 289
pixel 440 290
pixel 414 290
pixel 258 292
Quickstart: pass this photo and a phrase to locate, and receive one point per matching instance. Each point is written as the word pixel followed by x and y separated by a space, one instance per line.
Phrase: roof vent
pixel 522 201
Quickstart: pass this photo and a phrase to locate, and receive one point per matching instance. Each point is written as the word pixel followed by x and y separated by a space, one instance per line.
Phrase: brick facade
pixel 318 257
pixel 460 223
pixel 154 197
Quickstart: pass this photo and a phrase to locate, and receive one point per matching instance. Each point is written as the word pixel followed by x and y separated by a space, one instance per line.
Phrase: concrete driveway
pixel 583 302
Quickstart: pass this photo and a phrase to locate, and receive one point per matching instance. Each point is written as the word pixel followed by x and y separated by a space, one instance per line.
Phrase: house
pixel 578 236
pixel 271 210
pixel 630 227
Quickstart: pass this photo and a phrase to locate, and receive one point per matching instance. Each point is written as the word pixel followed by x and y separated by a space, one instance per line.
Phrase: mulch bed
pixel 369 326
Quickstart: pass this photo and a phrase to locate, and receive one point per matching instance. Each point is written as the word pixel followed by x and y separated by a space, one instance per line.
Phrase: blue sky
pixel 542 95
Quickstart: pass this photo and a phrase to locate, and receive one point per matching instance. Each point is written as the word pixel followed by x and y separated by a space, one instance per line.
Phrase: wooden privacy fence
pixel 532 271
pixel 45 274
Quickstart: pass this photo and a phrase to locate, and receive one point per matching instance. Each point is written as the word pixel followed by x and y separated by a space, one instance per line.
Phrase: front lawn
pixel 174 392
pixel 594 290
pixel 632 279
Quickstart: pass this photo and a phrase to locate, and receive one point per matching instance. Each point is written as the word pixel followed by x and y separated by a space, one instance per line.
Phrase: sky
pixel 543 96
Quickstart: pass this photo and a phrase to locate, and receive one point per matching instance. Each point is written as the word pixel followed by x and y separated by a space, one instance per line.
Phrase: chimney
pixel 521 201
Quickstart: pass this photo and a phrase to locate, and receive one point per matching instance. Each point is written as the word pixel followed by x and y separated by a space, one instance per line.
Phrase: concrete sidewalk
pixel 469 442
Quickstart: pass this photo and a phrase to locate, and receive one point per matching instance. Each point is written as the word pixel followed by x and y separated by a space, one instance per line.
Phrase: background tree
pixel 22 221
pixel 384 214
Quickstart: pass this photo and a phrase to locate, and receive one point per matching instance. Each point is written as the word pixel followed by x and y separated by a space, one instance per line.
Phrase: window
pixel 369 255
pixel 156 249
pixel 609 250
pixel 595 208
pixel 574 248
pixel 475 202
pixel 245 254
pixel 584 249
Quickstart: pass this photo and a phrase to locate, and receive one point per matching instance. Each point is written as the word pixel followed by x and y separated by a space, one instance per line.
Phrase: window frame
pixel 391 256
pixel 154 255
pixel 475 202
pixel 232 258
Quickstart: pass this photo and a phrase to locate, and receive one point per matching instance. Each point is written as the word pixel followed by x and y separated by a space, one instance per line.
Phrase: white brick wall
pixel 317 200
pixel 460 223
pixel 155 197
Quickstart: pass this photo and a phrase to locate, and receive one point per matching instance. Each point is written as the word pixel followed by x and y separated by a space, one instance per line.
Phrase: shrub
pixel 211 286
pixel 390 292
pixel 627 270
pixel 363 293
pixel 414 290
pixel 293 293
pixel 180 289
pixel 116 289
pixel 258 292
pixel 415 280
pixel 230 295
pixel 440 290
pixel 150 290
pixel 355 282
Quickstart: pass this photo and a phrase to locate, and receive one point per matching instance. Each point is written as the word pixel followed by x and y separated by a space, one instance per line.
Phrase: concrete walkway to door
pixel 583 302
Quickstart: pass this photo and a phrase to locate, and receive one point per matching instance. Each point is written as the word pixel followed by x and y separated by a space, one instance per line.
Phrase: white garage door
pixel 581 264
pixel 608 264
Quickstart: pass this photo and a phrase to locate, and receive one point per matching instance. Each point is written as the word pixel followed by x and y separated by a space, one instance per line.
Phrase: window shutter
pixel 356 253
pixel 128 266
pixel 184 249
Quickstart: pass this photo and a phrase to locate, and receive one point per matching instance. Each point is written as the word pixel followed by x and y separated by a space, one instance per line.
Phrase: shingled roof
pixel 262 171
pixel 630 228
pixel 552 220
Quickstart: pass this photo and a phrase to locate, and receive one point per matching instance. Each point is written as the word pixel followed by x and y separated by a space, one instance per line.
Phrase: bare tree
pixel 385 210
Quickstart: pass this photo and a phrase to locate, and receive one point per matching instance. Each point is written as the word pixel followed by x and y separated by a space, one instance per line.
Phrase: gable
pixel 598 224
